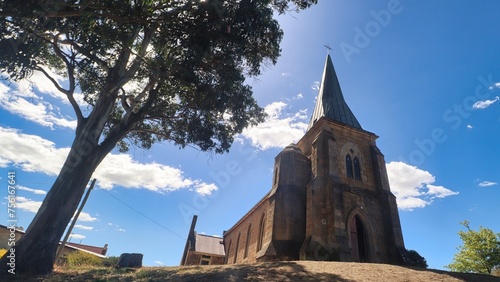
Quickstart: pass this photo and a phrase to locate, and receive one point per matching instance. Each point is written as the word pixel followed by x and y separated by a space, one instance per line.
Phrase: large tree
pixel 480 252
pixel 151 70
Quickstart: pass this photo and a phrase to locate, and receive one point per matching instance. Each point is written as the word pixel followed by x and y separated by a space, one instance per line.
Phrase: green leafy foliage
pixel 151 70
pixel 110 261
pixel 413 258
pixel 79 258
pixel 480 252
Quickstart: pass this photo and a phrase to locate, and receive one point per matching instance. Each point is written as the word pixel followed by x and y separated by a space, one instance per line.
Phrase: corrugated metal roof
pixel 209 244
pixel 93 249
pixel 330 102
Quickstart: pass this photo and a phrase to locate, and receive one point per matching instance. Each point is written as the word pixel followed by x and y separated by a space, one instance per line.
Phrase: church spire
pixel 330 102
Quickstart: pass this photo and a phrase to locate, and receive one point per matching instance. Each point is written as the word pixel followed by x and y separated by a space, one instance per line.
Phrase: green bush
pixel 79 258
pixel 110 261
pixel 413 258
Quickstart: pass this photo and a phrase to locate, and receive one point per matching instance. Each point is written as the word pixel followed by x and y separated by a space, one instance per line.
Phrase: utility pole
pixel 63 244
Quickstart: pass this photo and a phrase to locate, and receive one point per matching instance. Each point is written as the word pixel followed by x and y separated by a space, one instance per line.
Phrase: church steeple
pixel 330 102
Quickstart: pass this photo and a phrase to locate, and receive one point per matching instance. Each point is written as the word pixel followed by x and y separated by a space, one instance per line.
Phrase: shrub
pixel 413 258
pixel 79 258
pixel 110 261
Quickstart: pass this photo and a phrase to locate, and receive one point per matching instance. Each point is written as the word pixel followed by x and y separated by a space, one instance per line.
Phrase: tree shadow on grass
pixel 469 277
pixel 270 271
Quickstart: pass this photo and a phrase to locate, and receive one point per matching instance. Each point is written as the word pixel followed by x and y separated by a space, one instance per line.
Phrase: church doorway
pixel 359 248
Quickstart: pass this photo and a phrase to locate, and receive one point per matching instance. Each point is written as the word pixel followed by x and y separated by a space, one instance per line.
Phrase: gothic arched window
pixel 357 169
pixel 247 243
pixel 348 166
pixel 228 250
pixel 237 247
pixel 262 225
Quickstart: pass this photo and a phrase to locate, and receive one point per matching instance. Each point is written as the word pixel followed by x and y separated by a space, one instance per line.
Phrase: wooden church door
pixel 358 240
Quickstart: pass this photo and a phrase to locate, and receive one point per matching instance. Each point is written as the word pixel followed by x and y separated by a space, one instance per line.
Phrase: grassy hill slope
pixel 276 271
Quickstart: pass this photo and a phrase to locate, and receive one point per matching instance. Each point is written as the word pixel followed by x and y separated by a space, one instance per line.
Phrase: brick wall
pixel 251 221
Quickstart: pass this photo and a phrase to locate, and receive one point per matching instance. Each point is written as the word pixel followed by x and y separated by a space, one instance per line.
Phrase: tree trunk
pixel 35 251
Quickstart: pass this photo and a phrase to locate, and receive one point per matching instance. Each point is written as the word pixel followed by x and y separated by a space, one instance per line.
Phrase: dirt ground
pixel 275 271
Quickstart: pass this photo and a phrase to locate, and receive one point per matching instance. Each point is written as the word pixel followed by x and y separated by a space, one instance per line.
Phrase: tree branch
pixel 70 66
pixel 119 70
pixel 85 52
pixel 123 99
pixel 136 99
pixel 134 66
pixel 141 130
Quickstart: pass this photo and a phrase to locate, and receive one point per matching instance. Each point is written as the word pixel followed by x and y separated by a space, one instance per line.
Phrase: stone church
pixel 330 197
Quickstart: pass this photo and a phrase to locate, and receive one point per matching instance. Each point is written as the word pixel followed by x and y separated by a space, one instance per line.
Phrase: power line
pixel 132 208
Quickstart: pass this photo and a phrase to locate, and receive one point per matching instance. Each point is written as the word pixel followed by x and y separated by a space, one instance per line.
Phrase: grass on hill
pixel 270 271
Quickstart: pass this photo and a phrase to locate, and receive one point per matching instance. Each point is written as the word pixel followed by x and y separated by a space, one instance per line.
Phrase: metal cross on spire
pixel 327 46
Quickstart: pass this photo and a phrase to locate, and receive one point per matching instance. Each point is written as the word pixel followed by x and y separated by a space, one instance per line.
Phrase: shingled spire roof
pixel 330 102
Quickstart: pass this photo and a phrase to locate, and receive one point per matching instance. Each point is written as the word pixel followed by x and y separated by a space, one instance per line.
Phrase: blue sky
pixel 422 75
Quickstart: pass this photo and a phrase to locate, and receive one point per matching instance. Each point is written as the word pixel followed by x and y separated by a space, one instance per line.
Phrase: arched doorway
pixel 359 247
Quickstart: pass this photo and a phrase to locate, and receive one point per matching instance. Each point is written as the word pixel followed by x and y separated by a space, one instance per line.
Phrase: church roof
pixel 330 102
pixel 209 244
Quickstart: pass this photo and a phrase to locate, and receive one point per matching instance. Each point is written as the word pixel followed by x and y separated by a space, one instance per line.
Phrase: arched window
pixel 247 243
pixel 237 247
pixel 348 166
pixel 357 169
pixel 275 180
pixel 228 251
pixel 262 225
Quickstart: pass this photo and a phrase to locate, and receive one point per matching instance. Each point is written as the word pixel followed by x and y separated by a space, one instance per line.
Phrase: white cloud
pixel 34 191
pixel 299 96
pixel 28 205
pixel 159 263
pixel 32 153
pixel 4 162
pixel 278 130
pixel 484 104
pixel 495 85
pixel 32 108
pixel 84 227
pixel 413 187
pixel 315 86
pixel 487 184
pixel 43 85
pixel 439 191
pixel 469 126
pixel 116 227
pixel 205 189
pixel 122 170
pixel 77 236
pixel 86 217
